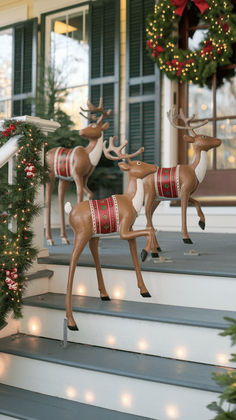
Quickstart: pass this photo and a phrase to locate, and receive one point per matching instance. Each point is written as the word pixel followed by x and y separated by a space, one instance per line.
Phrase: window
pixel 5 73
pixel 217 103
pixel 67 53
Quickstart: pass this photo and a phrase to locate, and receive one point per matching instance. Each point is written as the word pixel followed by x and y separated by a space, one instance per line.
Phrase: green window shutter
pixel 25 66
pixel 143 85
pixel 104 58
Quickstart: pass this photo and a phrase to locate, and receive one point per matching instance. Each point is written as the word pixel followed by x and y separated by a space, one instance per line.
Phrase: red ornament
pixel 11 276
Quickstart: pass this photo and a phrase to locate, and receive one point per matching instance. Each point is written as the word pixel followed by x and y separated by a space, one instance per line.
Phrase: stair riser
pixel 165 288
pixel 141 397
pixel 36 286
pixel 195 344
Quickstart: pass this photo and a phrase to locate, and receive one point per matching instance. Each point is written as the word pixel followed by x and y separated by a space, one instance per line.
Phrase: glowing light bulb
pixel 143 345
pixel 231 159
pixel 181 352
pixel 34 326
pixel 89 396
pixel 172 412
pixel 81 290
pixel 204 107
pixel 71 392
pixel 222 358
pixel 111 340
pixel 126 400
pixel 118 293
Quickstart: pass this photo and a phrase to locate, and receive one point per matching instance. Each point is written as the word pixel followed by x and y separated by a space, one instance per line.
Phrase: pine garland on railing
pixel 17 208
pixel 227 381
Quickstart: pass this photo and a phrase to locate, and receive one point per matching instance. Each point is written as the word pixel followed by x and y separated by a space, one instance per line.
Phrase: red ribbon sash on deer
pixel 63 162
pixel 105 215
pixel 167 182
pixel 181 4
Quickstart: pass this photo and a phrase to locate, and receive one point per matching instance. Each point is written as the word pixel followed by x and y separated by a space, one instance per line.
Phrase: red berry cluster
pixel 9 130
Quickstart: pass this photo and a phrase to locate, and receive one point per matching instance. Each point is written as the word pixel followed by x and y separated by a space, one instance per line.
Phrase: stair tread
pixel 209 318
pixel 116 362
pixel 30 405
pixel 40 274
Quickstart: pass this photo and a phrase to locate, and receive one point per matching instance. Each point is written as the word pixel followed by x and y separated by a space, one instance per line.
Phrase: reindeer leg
pixel 49 189
pixel 80 240
pixel 184 203
pixel 141 285
pixel 155 245
pixel 127 234
pixel 93 245
pixel 62 187
pixel 199 212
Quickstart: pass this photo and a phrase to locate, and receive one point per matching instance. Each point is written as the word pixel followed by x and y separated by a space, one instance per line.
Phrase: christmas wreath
pixel 215 50
pixel 17 208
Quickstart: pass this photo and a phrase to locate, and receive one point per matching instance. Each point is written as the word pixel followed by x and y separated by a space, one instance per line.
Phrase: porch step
pixel 30 405
pixel 36 283
pixel 201 291
pixel 162 330
pixel 141 384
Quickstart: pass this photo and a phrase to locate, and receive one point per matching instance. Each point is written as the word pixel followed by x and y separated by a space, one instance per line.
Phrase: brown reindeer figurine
pixel 180 182
pixel 75 164
pixel 116 213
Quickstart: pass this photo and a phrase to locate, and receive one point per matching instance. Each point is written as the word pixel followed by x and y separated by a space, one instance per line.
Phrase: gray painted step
pixel 208 318
pixel 217 254
pixel 34 406
pixel 40 274
pixel 116 362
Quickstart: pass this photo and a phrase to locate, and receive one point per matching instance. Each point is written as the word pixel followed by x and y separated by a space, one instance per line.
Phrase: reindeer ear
pixel 188 138
pixel 123 166
pixel 105 126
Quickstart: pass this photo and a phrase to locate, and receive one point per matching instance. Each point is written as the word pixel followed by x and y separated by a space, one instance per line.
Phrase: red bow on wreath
pixel 181 4
pixel 11 276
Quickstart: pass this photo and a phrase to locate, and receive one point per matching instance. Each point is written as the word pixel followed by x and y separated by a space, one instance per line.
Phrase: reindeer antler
pixel 118 150
pixel 173 116
pixel 92 108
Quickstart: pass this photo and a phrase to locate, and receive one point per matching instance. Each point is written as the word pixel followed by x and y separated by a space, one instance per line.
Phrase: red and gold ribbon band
pixel 105 215
pixel 62 162
pixel 167 182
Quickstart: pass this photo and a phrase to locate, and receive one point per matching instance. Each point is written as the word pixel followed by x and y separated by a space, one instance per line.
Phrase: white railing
pixel 7 152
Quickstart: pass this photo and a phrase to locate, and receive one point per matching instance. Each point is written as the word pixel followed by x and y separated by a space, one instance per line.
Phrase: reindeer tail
pixel 68 207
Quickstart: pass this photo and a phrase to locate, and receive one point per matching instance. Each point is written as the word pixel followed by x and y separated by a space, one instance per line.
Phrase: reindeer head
pixel 200 142
pixel 94 130
pixel 135 168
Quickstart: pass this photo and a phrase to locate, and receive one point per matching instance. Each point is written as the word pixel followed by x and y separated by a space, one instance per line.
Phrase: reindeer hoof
pixel 143 255
pixel 105 298
pixel 65 241
pixel 187 241
pixel 202 224
pixel 159 249
pixel 50 242
pixel 146 294
pixel 73 327
pixel 155 255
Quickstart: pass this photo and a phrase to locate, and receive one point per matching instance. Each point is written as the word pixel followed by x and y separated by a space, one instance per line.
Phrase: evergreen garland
pixel 17 207
pixel 228 381
pixel 215 50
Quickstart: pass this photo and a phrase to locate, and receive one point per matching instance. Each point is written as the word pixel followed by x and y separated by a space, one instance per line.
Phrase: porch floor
pixel 217 254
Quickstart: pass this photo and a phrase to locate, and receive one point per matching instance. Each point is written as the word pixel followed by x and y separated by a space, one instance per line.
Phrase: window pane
pixel 226 98
pixel 200 101
pixel 69 48
pixel 76 97
pixel 208 131
pixel 226 153
pixel 6 64
pixel 197 38
pixel 5 110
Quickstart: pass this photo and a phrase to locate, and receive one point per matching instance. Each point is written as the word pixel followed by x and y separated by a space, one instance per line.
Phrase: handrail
pixel 9 149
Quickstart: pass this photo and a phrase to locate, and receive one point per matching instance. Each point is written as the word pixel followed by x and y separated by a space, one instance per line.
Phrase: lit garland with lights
pixel 17 209
pixel 215 50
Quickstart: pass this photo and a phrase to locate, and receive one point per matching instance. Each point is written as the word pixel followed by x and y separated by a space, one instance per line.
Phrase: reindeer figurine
pixel 180 182
pixel 75 164
pixel 116 213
